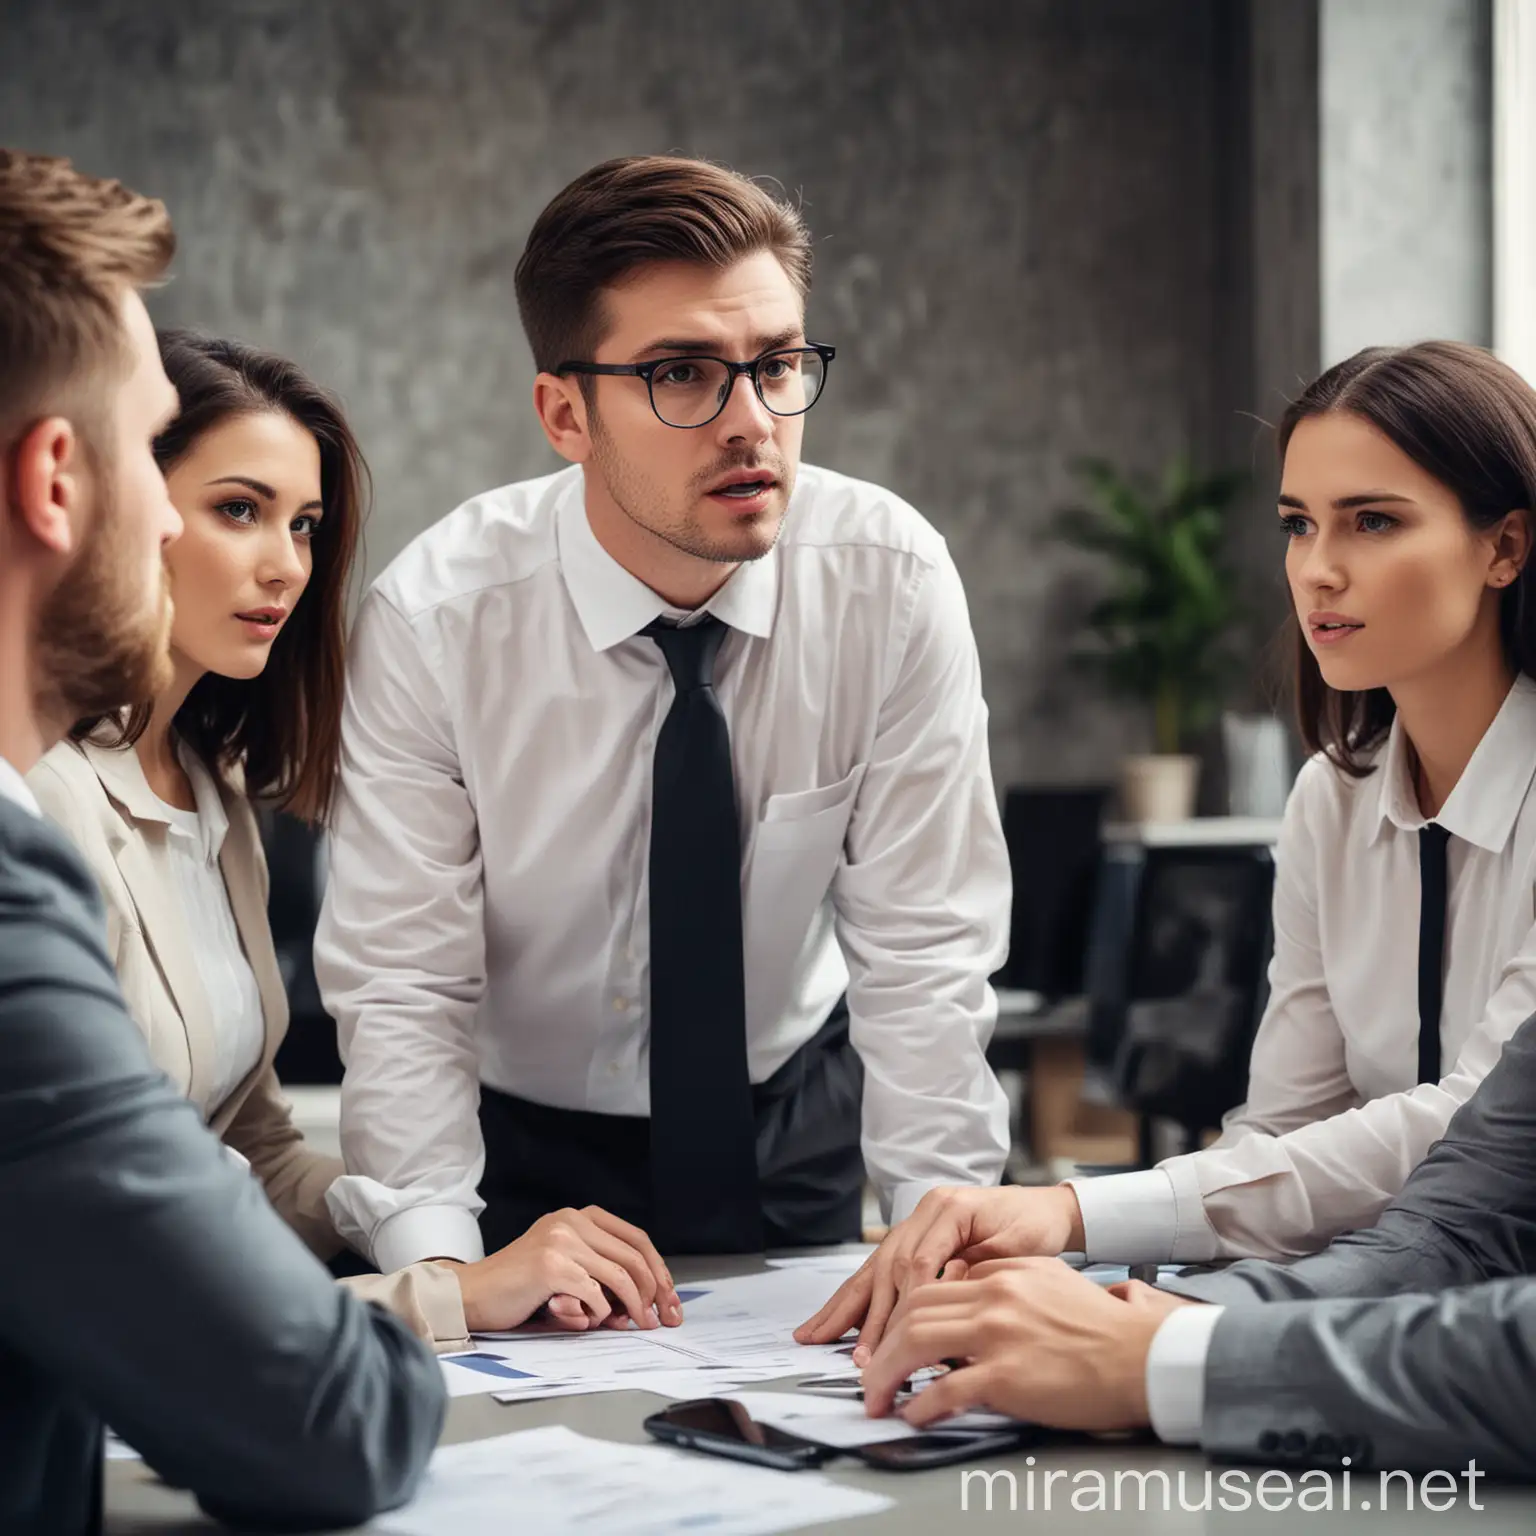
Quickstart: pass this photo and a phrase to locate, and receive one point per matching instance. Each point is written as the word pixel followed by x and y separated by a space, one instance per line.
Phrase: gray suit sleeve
pixel 150 1277
pixel 1467 1215
pixel 1417 1383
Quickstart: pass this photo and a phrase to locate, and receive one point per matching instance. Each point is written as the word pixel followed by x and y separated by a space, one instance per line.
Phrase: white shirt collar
pixel 613 605
pixel 1486 801
pixel 15 789
pixel 212 819
pixel 122 776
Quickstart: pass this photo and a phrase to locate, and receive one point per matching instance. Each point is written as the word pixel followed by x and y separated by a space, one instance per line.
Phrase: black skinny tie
pixel 703 1129
pixel 1432 898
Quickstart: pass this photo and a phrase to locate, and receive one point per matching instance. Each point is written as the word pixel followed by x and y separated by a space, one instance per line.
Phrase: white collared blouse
pixel 194 842
pixel 1336 1119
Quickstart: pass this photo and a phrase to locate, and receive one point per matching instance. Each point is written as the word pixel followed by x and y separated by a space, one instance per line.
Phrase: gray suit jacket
pixel 147 1282
pixel 1410 1345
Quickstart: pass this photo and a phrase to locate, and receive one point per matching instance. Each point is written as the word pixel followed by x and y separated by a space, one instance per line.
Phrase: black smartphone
pixel 940 1449
pixel 726 1429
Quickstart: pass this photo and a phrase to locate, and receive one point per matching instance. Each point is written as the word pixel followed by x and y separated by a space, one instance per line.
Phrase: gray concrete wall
pixel 1025 212
pixel 1274 339
pixel 1406 214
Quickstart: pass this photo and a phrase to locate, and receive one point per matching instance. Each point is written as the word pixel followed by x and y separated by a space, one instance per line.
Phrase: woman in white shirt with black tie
pixel 1408 480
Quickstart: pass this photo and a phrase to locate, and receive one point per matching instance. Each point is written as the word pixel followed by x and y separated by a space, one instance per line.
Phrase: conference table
pixel 943 1501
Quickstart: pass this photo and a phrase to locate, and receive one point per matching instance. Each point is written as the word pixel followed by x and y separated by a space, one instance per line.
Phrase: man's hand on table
pixel 967 1223
pixel 588 1267
pixel 1035 1340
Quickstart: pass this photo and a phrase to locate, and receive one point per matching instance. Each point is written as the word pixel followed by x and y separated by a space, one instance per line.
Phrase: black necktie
pixel 1432 896
pixel 703 1129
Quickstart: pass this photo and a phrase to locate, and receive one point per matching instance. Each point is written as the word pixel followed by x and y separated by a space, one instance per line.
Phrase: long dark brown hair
pixel 1470 421
pixel 284 725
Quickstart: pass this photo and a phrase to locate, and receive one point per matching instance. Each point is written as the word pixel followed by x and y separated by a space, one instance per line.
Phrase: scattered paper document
pixel 552 1482
pixel 734 1331
pixel 518 1374
pixel 537 1390
pixel 750 1320
pixel 599 1360
pixel 840 1263
pixel 673 1385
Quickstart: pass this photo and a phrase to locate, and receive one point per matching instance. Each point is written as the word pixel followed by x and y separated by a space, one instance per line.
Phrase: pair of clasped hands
pixel 962 1281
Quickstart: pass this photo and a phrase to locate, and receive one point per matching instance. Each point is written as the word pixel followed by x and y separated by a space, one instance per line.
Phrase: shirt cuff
pixel 1128 1218
pixel 1195 1240
pixel 441 1299
pixel 426 1297
pixel 1176 1373
pixel 426 1232
pixel 904 1199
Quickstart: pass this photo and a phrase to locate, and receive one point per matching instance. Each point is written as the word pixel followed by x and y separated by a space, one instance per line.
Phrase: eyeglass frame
pixel 734 371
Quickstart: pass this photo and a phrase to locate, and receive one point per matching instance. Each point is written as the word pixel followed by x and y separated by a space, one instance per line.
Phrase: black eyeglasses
pixel 691 391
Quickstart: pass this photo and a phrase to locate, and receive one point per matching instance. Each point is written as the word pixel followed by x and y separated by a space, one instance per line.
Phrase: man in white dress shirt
pixel 667 873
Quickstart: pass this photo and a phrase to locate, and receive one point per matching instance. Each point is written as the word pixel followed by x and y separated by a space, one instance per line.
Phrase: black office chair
pixel 1107 966
pixel 1053 855
pixel 308 1054
pixel 1196 986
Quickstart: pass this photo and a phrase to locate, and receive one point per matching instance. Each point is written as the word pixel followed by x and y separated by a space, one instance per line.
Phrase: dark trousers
pixel 810 1170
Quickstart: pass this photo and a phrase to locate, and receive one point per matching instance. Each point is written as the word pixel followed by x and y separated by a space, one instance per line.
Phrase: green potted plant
pixel 1159 635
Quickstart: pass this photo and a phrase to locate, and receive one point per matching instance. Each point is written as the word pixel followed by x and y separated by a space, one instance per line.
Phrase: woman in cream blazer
pixel 269 482
pixel 100 797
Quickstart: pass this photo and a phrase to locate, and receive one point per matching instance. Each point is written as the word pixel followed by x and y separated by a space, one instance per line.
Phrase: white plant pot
pixel 1158 787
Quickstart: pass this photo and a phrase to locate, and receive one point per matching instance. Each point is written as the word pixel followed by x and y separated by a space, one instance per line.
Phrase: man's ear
pixel 562 412
pixel 46 487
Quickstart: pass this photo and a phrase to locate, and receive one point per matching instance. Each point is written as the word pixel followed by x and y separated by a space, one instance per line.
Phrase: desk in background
pixel 1122 933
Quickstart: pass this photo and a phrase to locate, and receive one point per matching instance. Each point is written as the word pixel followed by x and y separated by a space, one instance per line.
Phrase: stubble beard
pixel 101 646
pixel 644 505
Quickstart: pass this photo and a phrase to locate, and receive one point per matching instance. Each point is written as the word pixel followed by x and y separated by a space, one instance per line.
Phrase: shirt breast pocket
pixel 809 819
pixel 796 847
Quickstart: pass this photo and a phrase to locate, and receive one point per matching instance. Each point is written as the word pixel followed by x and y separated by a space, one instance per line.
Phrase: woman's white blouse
pixel 234 999
pixel 1336 1120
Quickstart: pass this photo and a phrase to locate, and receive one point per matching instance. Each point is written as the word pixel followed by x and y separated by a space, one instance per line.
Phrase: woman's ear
pixel 1511 548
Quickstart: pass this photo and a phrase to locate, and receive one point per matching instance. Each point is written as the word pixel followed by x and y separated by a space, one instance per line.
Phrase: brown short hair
pixel 283 726
pixel 69 245
pixel 1470 421
pixel 625 213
